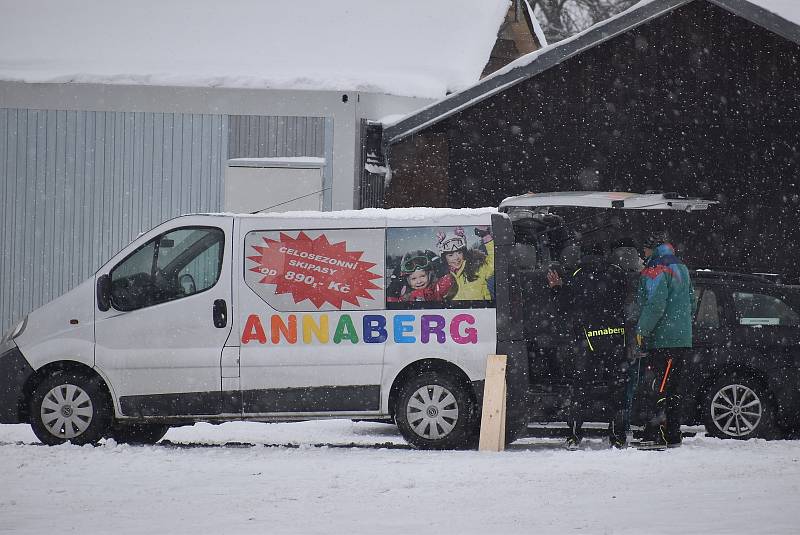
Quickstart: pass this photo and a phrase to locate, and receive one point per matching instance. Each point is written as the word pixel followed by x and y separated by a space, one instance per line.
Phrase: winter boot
pixel 616 436
pixel 653 441
pixel 673 436
pixel 572 443
pixel 617 442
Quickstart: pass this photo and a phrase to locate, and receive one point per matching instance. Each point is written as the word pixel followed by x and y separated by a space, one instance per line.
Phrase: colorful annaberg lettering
pixel 375 329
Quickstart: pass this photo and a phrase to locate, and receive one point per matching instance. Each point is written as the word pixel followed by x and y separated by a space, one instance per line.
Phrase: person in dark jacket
pixel 593 298
pixel 664 331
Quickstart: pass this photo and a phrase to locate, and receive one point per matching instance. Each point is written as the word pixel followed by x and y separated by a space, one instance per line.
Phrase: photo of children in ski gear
pixel 439 267
pixel 422 278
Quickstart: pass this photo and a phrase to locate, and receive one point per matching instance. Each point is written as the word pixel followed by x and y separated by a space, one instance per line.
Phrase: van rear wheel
pixel 70 407
pixel 436 411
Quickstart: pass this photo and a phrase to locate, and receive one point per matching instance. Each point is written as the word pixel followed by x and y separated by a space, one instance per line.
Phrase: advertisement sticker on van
pixel 313 268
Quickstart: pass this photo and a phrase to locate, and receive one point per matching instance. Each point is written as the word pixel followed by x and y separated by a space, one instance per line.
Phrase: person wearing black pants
pixel 666 367
pixel 663 332
pixel 617 378
pixel 593 299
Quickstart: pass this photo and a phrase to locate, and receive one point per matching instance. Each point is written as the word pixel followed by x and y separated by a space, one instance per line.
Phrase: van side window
pixel 439 267
pixel 176 264
pixel 763 309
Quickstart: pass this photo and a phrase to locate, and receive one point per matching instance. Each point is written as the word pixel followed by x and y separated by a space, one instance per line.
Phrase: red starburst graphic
pixel 314 269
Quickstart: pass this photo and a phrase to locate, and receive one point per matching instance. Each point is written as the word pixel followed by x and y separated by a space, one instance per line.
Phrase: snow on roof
pixel 422 48
pixel 401 214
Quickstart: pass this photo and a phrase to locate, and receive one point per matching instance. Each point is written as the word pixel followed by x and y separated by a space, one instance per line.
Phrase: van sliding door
pixel 309 310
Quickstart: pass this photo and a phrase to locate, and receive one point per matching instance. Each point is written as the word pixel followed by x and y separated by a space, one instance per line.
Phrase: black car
pixel 743 377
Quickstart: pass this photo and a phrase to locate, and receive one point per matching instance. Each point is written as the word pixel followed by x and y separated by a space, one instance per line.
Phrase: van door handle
pixel 220 313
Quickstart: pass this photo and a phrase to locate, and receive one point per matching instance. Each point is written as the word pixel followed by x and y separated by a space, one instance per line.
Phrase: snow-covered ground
pixel 275 478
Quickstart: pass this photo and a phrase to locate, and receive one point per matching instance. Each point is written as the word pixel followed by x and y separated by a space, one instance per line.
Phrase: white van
pixel 373 314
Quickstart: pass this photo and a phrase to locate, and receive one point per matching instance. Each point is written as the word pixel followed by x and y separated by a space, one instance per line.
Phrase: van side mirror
pixel 104 293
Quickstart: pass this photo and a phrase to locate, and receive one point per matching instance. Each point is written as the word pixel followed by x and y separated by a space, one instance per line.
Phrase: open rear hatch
pixel 552 231
pixel 606 199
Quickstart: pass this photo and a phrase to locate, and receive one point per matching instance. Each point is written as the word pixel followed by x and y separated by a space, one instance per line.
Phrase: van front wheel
pixel 436 411
pixel 70 407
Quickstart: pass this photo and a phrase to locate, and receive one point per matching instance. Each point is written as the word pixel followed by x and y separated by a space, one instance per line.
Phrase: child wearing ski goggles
pixel 422 283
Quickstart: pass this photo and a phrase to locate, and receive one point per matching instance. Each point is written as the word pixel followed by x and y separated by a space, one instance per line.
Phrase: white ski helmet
pixel 451 241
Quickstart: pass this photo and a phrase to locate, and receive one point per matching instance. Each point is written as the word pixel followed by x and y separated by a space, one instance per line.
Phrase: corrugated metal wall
pixel 77 186
pixel 265 137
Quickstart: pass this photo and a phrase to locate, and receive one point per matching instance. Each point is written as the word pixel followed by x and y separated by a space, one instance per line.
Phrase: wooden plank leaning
pixel 493 420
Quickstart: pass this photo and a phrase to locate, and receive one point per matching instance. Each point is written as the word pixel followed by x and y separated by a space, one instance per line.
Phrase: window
pixel 762 309
pixel 173 265
pixel 707 316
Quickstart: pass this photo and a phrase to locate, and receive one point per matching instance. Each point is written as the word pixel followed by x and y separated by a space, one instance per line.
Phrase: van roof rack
pixel 607 199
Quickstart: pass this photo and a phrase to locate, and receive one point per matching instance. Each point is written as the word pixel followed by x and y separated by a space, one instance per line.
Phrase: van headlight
pixel 16 330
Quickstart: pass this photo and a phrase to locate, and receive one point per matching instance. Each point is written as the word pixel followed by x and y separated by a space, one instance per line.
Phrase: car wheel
pixel 436 411
pixel 739 407
pixel 137 433
pixel 70 407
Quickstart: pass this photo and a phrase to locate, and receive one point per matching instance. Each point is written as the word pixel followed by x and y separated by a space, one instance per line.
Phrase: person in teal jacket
pixel 664 331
